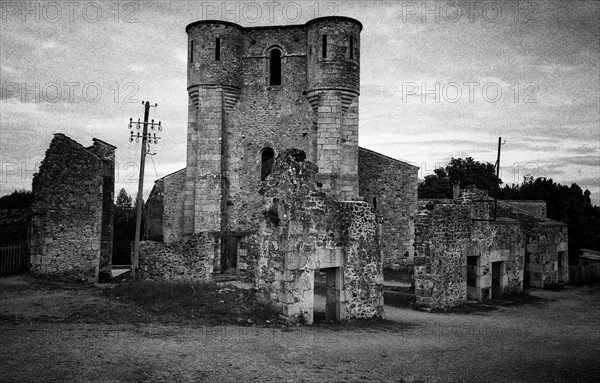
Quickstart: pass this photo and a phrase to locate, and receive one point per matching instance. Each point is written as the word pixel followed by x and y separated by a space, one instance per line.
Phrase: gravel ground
pixel 46 336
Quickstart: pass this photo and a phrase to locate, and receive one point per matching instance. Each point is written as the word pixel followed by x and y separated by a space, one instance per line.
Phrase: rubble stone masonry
pixel 67 212
pixel 304 230
pixel 390 186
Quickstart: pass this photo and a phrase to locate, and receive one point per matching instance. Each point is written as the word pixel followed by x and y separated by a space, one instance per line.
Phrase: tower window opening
pixel 192 51
pixel 218 49
pixel 352 47
pixel 267 157
pixel 275 67
pixel 324 46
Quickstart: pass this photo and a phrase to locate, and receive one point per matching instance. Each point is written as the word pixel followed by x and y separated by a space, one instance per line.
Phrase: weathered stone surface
pixel 391 186
pixel 71 225
pixel 190 258
pixel 304 230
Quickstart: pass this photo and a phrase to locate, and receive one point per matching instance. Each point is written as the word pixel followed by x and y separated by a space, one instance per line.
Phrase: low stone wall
pixel 190 258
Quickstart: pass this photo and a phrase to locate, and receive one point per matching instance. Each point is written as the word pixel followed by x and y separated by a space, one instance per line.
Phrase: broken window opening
pixel 267 157
pixel 324 46
pixel 275 67
pixel 218 49
pixel 192 51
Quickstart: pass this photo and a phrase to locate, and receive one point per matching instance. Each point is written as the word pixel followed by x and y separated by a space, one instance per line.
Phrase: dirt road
pixel 554 338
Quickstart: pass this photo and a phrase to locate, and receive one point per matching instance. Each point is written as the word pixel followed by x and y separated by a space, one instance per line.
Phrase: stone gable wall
pixel 393 186
pixel 66 237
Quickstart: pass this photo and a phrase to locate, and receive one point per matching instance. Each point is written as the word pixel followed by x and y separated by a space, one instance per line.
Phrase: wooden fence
pixel 14 258
pixel 584 274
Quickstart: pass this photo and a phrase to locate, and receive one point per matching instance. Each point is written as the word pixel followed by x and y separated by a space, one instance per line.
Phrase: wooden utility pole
pixel 147 138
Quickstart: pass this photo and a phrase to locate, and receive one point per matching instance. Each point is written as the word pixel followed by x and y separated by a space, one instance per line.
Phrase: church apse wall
pixel 391 187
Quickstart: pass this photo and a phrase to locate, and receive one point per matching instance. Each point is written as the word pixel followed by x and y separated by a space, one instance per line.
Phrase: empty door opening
pixel 497 280
pixel 526 272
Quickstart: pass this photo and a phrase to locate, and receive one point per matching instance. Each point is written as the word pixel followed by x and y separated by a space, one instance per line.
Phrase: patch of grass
pixel 195 302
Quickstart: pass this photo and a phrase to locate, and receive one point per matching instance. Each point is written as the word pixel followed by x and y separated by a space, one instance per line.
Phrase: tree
pixel 19 199
pixel 465 172
pixel 124 200
pixel 124 228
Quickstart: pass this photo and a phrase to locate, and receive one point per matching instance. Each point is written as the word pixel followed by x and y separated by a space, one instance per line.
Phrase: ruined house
pixel 466 248
pixel 72 212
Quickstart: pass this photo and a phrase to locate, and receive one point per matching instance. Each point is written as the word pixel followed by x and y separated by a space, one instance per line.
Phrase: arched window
pixel 275 67
pixel 267 156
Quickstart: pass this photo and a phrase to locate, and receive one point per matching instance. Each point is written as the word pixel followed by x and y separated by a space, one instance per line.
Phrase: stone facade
pixel 546 246
pixel 303 230
pixel 71 228
pixel 462 252
pixel 442 239
pixel 390 186
pixel 190 258
pixel 240 119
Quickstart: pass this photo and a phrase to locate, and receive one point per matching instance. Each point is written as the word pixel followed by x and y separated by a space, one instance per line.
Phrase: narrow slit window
pixel 266 161
pixel 218 49
pixel 352 47
pixel 192 51
pixel 324 46
pixel 275 67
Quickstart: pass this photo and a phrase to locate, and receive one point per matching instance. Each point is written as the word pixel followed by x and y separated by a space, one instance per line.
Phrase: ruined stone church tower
pixel 254 92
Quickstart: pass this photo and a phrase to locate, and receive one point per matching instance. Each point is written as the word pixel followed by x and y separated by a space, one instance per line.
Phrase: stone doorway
pixel 229 254
pixel 328 282
pixel 561 265
pixel 497 280
pixel 473 275
pixel 333 292
pixel 526 271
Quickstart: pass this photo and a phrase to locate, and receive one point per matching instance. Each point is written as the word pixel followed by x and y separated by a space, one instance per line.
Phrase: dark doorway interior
pixel 526 273
pixel 497 273
pixel 229 246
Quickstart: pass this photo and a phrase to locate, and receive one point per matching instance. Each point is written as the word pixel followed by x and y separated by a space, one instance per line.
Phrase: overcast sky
pixel 437 81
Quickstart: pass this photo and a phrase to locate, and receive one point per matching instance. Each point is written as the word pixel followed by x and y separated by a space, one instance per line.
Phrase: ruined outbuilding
pixel 72 211
pixel 465 251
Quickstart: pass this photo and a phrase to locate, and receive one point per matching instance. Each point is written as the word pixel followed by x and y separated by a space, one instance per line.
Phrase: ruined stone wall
pixel 391 186
pixel 537 208
pixel 67 212
pixel 277 117
pixel 106 152
pixel 164 208
pixel 190 258
pixel 442 240
pixel 497 241
pixel 303 229
pixel 546 246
